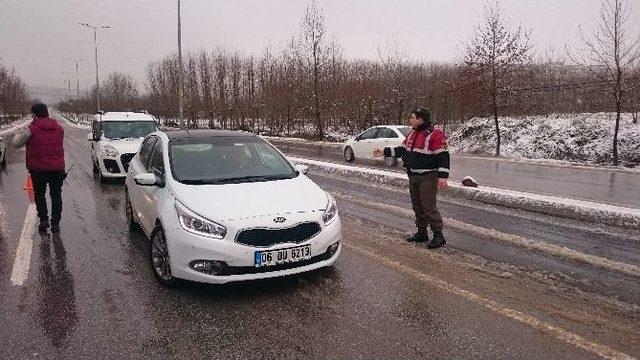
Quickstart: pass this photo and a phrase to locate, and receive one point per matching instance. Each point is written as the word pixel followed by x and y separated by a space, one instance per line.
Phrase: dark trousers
pixel 40 181
pixel 423 189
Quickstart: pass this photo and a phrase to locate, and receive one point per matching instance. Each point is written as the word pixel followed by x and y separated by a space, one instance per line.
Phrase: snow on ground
pixel 552 205
pixel 82 121
pixel 578 138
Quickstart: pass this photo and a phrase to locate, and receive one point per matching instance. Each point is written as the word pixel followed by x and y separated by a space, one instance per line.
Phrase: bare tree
pixel 119 92
pixel 13 93
pixel 313 33
pixel 610 54
pixel 492 57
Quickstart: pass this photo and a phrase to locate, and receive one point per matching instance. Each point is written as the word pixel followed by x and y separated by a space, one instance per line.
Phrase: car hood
pixel 250 200
pixel 124 146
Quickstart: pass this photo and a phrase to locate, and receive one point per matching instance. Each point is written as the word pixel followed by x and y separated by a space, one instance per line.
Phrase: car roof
pixel 200 134
pixel 124 116
pixel 392 126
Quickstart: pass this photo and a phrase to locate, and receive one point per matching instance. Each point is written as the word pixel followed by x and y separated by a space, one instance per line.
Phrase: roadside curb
pixel 71 122
pixel 562 207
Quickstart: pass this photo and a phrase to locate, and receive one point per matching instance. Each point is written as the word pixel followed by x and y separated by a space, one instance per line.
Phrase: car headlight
pixel 110 150
pixel 198 225
pixel 332 210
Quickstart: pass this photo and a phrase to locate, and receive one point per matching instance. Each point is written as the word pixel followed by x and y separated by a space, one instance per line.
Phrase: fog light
pixel 331 250
pixel 209 267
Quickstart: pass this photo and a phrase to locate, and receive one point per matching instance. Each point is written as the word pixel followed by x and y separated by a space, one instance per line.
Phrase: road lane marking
pixel 22 261
pixel 509 239
pixel 574 339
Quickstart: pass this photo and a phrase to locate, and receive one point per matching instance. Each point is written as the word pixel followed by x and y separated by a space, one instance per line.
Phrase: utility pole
pixel 77 61
pixel 95 43
pixel 180 87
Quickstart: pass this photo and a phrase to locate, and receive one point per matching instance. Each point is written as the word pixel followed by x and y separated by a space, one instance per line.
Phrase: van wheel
pixel 131 220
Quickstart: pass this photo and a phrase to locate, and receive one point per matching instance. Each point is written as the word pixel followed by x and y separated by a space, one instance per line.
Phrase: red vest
pixel 45 149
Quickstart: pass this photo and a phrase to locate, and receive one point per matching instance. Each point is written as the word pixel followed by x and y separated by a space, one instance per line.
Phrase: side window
pixel 145 150
pixel 386 133
pixel 369 134
pixel 156 161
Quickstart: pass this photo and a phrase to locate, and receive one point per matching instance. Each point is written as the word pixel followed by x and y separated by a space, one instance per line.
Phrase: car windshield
pixel 127 129
pixel 404 130
pixel 224 160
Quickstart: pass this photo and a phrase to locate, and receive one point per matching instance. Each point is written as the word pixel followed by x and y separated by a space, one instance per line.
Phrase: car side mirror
pixel 90 136
pixel 302 168
pixel 148 179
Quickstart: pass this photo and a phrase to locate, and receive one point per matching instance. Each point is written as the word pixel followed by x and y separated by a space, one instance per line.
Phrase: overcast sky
pixel 37 35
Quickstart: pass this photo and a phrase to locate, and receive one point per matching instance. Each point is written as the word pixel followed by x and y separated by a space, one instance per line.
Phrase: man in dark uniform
pixel 426 159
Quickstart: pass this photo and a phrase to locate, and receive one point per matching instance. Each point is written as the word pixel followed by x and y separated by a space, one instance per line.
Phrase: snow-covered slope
pixel 585 138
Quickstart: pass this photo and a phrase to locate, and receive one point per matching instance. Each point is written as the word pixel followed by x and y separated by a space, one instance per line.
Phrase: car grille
pixel 269 237
pixel 125 159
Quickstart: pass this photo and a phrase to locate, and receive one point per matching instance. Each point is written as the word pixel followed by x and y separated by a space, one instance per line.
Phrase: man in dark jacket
pixel 426 158
pixel 45 162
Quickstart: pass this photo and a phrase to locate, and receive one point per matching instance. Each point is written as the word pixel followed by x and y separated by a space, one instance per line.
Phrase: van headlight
pixel 332 210
pixel 198 225
pixel 110 150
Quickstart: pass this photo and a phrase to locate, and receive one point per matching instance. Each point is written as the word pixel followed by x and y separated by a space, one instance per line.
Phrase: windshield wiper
pixel 240 179
pixel 197 181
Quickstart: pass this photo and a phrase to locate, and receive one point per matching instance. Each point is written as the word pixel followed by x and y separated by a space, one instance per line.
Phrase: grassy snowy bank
pixel 580 138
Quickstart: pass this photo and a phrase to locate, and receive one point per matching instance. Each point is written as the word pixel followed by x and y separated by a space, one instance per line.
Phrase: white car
pixel 381 136
pixel 115 138
pixel 223 206
pixel 3 153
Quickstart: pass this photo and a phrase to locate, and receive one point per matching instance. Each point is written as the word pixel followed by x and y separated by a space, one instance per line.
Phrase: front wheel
pixel 159 258
pixel 348 154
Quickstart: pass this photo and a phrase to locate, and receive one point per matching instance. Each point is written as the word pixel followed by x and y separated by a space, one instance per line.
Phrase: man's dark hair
pixel 422 113
pixel 40 110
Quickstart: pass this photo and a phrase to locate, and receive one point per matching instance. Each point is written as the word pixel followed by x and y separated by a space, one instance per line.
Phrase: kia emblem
pixel 279 220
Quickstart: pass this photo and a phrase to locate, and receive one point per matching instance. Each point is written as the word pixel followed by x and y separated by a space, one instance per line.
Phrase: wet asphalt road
pixel 91 295
pixel 604 186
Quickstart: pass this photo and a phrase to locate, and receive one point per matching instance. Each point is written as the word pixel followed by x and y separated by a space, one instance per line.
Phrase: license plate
pixel 282 256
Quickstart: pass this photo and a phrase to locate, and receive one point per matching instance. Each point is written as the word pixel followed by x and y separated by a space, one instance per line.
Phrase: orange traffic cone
pixel 28 184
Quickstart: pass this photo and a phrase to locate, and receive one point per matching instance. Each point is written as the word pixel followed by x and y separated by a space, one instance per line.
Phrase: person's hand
pixel 378 153
pixel 443 184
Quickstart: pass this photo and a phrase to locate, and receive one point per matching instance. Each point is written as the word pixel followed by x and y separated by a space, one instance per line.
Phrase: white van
pixel 115 138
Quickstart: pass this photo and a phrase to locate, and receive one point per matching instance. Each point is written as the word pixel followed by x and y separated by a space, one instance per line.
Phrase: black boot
pixel 419 237
pixel 44 225
pixel 437 241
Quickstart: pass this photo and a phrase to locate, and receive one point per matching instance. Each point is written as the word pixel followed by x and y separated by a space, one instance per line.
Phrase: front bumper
pixel 114 167
pixel 185 247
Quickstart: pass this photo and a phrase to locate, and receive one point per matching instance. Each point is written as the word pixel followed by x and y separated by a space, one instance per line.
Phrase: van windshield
pixel 127 129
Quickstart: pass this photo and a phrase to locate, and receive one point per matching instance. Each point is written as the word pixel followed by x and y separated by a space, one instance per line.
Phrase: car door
pixel 386 137
pixel 139 166
pixel 149 194
pixel 363 146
